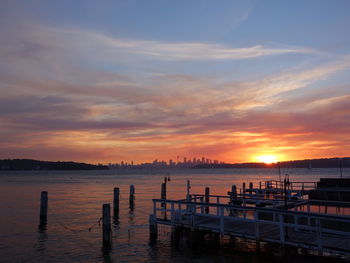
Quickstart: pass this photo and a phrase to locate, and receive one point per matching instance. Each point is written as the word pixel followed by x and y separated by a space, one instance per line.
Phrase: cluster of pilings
pixel 106 214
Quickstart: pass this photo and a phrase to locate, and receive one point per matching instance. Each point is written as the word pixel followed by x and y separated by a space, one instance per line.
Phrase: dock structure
pixel 275 187
pixel 332 189
pixel 257 216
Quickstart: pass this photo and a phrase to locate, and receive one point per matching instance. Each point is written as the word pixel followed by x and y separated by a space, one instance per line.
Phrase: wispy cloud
pixel 43 39
pixel 176 51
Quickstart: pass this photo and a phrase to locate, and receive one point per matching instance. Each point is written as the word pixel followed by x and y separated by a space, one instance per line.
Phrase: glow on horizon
pixel 268 159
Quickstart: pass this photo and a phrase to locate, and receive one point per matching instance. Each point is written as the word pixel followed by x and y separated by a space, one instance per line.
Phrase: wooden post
pixel 217 208
pixel 172 214
pixel 188 196
pixel 233 193
pixel 222 211
pixel 116 202
pixel 243 188
pixel 132 196
pixel 106 225
pixel 202 206
pixel 153 229
pixel 188 191
pixel 256 219
pixel 43 207
pixel 282 230
pixel 251 186
pixel 163 197
pixel 206 200
pixel 163 192
pixel 319 235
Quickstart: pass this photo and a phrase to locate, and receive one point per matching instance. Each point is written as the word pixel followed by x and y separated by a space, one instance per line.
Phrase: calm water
pixel 75 202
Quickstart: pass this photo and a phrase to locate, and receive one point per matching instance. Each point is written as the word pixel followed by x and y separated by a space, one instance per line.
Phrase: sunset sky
pixel 105 81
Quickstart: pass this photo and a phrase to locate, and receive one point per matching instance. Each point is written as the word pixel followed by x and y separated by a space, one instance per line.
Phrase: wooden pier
pixel 282 220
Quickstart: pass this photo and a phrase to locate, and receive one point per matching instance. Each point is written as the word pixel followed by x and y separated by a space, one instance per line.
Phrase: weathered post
pixel 188 191
pixel 163 194
pixel 43 207
pixel 153 229
pixel 251 189
pixel 132 196
pixel 116 202
pixel 243 187
pixel 106 225
pixel 207 192
pixel 233 197
pixel 233 193
pixel 188 196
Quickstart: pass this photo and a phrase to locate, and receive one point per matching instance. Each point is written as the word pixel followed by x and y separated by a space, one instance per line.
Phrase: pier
pixel 273 212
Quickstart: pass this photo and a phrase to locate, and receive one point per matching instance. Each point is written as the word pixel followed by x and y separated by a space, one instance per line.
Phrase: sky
pixel 106 81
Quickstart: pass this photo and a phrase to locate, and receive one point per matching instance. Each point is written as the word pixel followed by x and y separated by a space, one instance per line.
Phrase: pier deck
pixel 320 232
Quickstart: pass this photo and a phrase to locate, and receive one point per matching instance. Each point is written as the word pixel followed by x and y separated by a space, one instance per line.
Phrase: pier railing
pixel 320 232
pixel 247 199
pixel 295 186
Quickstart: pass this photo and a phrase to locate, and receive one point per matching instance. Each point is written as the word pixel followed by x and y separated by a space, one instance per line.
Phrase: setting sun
pixel 267 159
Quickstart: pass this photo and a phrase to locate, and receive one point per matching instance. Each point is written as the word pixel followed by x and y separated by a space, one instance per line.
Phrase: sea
pixel 73 232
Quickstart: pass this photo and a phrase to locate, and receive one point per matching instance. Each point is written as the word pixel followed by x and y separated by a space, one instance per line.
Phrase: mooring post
pixel 153 229
pixel 106 225
pixel 233 193
pixel 116 202
pixel 243 188
pixel 43 207
pixel 188 196
pixel 202 206
pixel 188 191
pixel 207 192
pixel 163 194
pixel 132 196
pixel 251 189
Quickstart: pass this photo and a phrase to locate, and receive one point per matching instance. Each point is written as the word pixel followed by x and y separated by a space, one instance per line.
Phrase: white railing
pixel 223 216
pixel 296 186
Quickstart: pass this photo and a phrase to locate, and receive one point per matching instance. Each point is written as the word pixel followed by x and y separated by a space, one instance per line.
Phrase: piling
pixel 188 196
pixel 163 193
pixel 233 194
pixel 106 225
pixel 132 196
pixel 43 207
pixel 116 202
pixel 153 229
pixel 207 192
pixel 243 187
pixel 251 186
pixel 188 191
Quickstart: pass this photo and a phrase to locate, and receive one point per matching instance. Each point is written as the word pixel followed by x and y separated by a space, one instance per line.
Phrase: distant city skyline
pixel 237 81
pixel 179 162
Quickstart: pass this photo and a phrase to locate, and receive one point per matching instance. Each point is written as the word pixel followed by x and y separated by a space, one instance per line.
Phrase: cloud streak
pixel 175 51
pixel 45 40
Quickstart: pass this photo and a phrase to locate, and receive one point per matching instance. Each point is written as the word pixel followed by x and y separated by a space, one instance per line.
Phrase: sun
pixel 267 159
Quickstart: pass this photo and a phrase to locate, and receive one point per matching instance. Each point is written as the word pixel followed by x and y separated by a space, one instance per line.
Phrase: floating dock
pixel 271 213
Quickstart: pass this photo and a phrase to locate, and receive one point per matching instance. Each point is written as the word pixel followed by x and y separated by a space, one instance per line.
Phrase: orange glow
pixel 267 159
